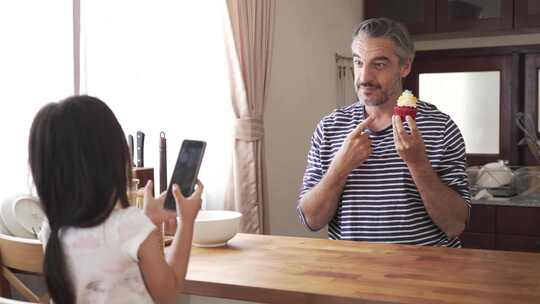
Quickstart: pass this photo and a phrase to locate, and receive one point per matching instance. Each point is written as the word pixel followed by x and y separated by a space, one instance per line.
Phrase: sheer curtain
pixel 250 49
pixel 161 66
pixel 36 67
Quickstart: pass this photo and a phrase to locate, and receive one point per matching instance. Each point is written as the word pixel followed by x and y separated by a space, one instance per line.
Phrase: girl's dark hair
pixel 80 165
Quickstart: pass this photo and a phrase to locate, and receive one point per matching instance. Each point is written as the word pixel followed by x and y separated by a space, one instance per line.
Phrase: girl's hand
pixel 153 207
pixel 188 208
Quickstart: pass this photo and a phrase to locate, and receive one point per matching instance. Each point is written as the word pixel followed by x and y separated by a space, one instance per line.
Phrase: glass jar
pixel 132 190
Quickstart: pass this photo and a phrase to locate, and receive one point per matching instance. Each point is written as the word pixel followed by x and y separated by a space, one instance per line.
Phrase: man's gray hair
pixel 393 30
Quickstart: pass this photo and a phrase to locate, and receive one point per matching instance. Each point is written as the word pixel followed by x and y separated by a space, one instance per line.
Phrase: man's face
pixel 377 71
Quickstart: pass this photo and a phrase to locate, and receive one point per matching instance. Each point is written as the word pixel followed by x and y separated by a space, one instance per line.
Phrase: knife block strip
pixel 144 175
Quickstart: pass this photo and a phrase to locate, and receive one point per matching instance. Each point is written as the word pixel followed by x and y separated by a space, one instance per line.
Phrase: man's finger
pixel 401 132
pixel 412 125
pixel 363 125
pixel 397 141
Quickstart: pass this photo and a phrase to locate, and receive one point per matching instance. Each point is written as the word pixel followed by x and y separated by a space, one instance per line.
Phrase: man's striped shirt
pixel 380 202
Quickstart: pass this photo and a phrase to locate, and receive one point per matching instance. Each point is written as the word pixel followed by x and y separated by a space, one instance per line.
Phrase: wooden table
pixel 277 269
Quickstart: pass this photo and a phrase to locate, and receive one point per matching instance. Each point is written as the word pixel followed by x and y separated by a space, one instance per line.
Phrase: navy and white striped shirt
pixel 380 202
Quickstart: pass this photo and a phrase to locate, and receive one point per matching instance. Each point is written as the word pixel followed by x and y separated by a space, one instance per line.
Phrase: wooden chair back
pixel 24 256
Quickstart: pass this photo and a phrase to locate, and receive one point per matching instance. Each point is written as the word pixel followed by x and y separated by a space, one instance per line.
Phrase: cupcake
pixel 406 105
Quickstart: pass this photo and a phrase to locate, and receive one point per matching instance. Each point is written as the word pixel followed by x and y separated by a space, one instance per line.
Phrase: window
pixel 159 65
pixel 473 105
pixel 36 60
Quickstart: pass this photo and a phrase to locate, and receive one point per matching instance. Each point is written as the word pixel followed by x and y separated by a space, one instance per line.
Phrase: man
pixel 373 177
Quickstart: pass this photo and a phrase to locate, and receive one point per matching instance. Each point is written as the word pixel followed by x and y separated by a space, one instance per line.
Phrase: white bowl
pixel 22 215
pixel 213 228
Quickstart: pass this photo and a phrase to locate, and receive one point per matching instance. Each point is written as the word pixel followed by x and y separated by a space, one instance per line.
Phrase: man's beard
pixel 382 99
pixel 385 94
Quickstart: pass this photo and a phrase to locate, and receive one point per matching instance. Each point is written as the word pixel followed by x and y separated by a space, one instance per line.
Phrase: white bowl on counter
pixel 213 228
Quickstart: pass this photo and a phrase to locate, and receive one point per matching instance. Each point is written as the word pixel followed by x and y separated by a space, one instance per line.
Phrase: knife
pixel 130 145
pixel 162 162
pixel 140 149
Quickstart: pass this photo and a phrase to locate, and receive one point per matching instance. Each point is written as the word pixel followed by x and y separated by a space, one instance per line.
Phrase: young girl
pixel 97 248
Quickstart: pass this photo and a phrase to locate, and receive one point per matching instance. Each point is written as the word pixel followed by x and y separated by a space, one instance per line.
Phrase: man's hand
pixel 445 206
pixel 355 149
pixel 410 147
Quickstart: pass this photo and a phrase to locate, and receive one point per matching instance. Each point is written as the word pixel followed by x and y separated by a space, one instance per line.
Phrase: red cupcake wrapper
pixel 404 111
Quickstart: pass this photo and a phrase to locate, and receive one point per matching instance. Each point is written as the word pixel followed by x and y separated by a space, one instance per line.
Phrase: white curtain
pixel 161 66
pixel 36 67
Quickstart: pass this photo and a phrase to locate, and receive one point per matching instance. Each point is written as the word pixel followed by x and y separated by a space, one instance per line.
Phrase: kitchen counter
pixel 277 269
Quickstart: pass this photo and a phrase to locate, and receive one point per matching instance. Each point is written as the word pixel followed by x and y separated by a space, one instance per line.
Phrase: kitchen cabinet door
pixel 474 15
pixel 517 243
pixel 527 14
pixel 417 15
pixel 480 230
pixel 477 240
pixel 523 221
pixel 482 84
pixel 482 219
pixel 532 98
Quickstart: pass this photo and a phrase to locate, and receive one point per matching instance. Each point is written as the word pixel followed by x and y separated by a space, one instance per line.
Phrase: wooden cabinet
pixel 503 228
pixel 480 231
pixel 519 83
pixel 517 243
pixel 527 14
pixel 482 219
pixel 459 16
pixel 417 15
pixel 470 62
pixel 474 15
pixel 478 240
pixel 532 96
pixel 518 220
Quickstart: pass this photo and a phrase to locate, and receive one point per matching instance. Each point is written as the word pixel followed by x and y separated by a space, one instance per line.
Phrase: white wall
pixel 307 34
